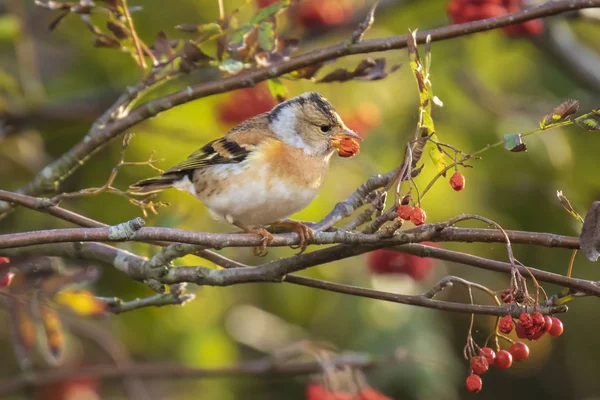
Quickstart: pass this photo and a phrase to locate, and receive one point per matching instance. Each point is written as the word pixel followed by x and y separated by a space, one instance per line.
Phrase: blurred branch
pixel 118 118
pixel 267 367
pixel 582 63
pixel 176 296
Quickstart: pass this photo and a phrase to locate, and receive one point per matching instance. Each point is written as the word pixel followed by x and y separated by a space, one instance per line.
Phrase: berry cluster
pixel 461 11
pixel 385 261
pixel 316 391
pixel 6 276
pixel 416 215
pixel 531 327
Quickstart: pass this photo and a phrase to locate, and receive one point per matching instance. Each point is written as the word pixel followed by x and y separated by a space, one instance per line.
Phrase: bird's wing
pixel 232 148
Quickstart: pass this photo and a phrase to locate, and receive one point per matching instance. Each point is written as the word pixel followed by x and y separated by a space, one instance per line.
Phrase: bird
pixel 263 170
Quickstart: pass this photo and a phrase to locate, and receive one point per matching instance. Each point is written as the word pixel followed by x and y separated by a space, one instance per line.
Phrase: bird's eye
pixel 324 128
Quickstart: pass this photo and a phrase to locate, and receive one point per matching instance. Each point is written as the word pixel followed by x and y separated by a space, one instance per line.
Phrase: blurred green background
pixel 53 84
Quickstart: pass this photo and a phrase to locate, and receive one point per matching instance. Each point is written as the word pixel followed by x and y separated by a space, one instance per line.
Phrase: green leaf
pixel 269 11
pixel 514 143
pixel 266 36
pixel 231 66
pixel 278 89
pixel 590 121
pixel 238 38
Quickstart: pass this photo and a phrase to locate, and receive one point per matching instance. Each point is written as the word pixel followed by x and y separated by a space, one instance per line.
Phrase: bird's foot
pixel 267 239
pixel 306 234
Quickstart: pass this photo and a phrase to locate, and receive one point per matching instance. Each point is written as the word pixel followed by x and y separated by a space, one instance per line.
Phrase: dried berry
pixel 503 359
pixel 489 354
pixel 505 325
pixel 507 296
pixel 474 383
pixel 538 319
pixel 519 351
pixel 457 181
pixel 525 321
pixel 479 364
pixel 418 216
pixel 557 327
pixel 405 211
pixel 348 147
pixel 520 331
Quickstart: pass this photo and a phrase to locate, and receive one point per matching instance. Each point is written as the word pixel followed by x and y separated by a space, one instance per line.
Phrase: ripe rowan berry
pixel 474 383
pixel 479 364
pixel 503 359
pixel 557 327
pixel 457 181
pixel 519 351
pixel 489 354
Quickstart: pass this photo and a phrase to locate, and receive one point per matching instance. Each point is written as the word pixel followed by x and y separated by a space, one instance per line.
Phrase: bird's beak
pixel 346 133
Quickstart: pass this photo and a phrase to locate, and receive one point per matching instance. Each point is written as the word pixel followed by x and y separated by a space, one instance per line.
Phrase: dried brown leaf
pixel 590 232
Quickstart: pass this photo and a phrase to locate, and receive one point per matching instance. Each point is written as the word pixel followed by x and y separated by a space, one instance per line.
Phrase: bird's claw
pixel 267 239
pixel 306 236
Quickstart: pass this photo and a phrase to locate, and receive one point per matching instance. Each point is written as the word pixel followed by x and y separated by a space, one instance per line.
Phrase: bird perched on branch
pixel 266 168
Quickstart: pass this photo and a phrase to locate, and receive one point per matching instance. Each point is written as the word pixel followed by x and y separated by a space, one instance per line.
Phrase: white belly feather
pixel 251 198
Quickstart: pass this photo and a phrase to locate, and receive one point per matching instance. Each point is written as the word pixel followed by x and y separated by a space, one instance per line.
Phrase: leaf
pixel 266 36
pixel 285 47
pixel 22 329
pixel 54 333
pixel 514 143
pixel 10 28
pixel 162 47
pixel 239 38
pixel 81 302
pixel 277 89
pixel 305 73
pixel 118 29
pixel 364 26
pixel 192 52
pixel 206 30
pixel 590 121
pixel 559 113
pixel 590 232
pixel 367 70
pixel 269 11
pixel 231 66
pixel 567 205
pixel 436 154
pixel 103 40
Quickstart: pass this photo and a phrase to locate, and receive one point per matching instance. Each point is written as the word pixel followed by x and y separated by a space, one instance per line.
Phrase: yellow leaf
pixel 80 301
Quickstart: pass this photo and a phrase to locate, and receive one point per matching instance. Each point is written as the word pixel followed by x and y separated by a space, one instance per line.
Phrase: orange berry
pixel 457 181
pixel 418 216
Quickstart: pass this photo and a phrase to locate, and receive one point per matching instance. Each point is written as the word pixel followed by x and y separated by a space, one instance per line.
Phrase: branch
pixel 431 232
pixel 265 368
pixel 105 128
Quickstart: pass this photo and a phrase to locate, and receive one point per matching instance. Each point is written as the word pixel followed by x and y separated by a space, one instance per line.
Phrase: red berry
pixel 348 147
pixel 418 216
pixel 405 211
pixel 505 325
pixel 368 393
pixel 245 103
pixel 474 383
pixel 6 279
pixel 519 351
pixel 385 261
pixel 265 3
pixel 479 364
pixel 4 260
pixel 547 323
pixel 521 333
pixel 489 354
pixel 457 181
pixel 557 327
pixel 507 296
pixel 538 319
pixel 503 359
pixel 525 321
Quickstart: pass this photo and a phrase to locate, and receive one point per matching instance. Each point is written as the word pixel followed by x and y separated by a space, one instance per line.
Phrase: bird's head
pixel 309 122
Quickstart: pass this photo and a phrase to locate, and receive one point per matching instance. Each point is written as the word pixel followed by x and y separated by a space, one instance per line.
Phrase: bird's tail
pixel 156 184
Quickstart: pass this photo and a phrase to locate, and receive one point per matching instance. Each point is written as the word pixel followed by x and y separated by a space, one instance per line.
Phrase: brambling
pixel 265 169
